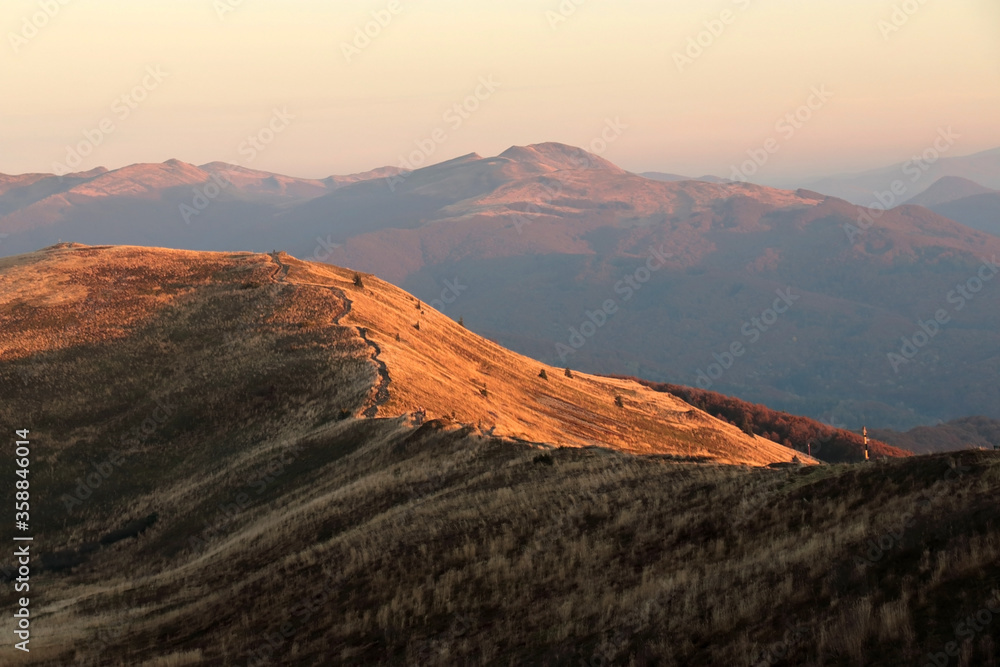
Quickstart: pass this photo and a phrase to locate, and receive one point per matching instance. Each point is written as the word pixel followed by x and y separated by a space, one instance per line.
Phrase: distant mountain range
pixel 964 201
pixel 965 433
pixel 948 189
pixel 914 176
pixel 780 297
pixel 173 204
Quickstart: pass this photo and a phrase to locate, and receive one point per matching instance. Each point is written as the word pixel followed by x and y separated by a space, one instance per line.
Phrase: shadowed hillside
pixel 372 545
pixel 976 211
pixel 228 469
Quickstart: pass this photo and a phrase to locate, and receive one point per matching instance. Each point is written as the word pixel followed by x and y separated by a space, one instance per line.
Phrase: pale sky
pixel 226 73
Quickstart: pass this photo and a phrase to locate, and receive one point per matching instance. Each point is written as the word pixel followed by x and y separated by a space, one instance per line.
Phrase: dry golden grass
pixel 444 369
pixel 383 543
pixel 71 295
pixel 440 547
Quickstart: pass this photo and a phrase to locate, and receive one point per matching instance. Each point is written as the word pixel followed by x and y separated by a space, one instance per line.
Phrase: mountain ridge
pixel 421 364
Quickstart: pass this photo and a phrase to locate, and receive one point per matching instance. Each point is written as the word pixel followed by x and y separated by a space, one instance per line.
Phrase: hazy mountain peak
pixel 220 166
pixel 558 156
pixel 142 178
pixel 810 194
pixel 11 181
pixel 947 189
pixel 455 161
pixel 90 173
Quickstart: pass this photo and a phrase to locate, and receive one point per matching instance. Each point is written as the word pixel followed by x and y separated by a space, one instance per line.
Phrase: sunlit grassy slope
pixel 202 322
pixel 444 369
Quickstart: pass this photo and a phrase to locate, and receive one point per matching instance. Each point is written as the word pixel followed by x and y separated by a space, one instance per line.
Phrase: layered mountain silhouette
pixel 917 174
pixel 964 201
pixel 817 296
pixel 959 434
pixel 948 189
pixel 171 204
pixel 978 211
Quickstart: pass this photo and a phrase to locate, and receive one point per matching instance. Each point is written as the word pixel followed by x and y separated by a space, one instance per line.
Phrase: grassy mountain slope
pixel 444 369
pixel 372 545
pixel 206 490
pixel 827 443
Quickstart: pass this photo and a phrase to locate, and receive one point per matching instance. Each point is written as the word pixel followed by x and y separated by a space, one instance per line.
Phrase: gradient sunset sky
pixel 559 80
